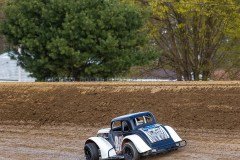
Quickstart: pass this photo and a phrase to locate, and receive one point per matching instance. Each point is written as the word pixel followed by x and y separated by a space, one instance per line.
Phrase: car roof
pixel 131 116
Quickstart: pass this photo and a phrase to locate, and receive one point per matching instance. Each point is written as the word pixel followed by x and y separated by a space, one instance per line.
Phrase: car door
pixel 120 129
pixel 117 136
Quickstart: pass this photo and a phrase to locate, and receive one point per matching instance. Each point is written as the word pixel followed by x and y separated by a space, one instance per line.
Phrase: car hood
pixel 104 130
pixel 155 132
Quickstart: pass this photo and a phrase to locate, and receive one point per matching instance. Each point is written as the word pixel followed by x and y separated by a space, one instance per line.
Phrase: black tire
pixel 91 151
pixel 130 152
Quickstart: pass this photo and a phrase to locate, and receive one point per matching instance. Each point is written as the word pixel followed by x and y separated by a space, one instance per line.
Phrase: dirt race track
pixel 52 120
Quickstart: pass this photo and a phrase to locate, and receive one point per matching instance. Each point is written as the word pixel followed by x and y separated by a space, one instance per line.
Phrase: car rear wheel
pixel 91 151
pixel 130 152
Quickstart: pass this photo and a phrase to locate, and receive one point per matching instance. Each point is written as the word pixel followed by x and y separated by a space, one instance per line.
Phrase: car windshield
pixel 143 120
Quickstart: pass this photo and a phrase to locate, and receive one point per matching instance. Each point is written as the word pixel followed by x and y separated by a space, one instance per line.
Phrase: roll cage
pixel 132 122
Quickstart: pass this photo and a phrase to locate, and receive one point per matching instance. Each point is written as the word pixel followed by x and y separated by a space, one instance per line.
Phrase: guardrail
pixel 108 80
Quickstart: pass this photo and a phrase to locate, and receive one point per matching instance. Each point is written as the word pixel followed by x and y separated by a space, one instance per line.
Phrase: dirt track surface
pixel 34 116
pixel 191 105
pixel 66 142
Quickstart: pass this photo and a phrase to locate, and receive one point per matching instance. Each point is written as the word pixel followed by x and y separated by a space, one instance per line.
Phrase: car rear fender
pixel 106 149
pixel 173 134
pixel 140 145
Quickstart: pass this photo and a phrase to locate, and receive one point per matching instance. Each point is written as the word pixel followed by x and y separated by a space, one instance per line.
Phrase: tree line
pixel 102 39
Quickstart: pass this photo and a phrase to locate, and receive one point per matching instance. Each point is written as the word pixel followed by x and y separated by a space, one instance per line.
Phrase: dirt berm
pixel 211 105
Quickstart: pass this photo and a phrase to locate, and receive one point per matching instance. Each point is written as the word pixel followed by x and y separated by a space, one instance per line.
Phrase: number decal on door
pixel 118 143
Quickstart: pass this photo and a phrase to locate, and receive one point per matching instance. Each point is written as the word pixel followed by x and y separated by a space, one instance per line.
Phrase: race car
pixel 132 136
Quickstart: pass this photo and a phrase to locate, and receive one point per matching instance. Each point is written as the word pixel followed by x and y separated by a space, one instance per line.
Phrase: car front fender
pixel 104 146
pixel 173 134
pixel 140 145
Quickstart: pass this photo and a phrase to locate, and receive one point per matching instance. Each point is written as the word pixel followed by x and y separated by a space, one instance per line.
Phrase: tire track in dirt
pixel 67 141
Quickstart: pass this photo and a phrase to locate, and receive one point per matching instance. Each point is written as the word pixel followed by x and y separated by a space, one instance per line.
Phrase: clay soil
pixel 52 120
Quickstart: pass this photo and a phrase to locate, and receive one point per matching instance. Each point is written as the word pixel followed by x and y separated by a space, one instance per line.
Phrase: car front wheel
pixel 130 152
pixel 91 151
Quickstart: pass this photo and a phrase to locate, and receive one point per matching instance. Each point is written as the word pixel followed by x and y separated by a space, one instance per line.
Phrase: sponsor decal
pixel 155 133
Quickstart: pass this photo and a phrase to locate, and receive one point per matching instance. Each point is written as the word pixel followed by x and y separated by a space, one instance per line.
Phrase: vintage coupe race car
pixel 132 136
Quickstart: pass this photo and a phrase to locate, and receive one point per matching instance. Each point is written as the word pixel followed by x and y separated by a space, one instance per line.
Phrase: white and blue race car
pixel 132 136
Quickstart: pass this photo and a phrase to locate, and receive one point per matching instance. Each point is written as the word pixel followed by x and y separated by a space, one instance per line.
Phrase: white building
pixel 11 72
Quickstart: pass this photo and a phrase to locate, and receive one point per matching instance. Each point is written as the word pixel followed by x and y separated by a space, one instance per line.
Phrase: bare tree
pixel 191 34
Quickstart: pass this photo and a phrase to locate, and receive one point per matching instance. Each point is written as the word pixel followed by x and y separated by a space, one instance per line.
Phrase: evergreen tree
pixel 76 38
